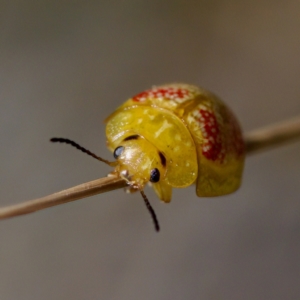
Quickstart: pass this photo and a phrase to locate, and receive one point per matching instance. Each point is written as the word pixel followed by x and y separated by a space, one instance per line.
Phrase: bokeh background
pixel 64 66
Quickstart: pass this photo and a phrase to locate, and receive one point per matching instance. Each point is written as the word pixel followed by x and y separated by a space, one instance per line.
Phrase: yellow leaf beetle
pixel 172 136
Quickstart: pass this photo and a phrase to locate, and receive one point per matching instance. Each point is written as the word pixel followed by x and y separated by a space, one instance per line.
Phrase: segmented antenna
pixel 151 210
pixel 77 146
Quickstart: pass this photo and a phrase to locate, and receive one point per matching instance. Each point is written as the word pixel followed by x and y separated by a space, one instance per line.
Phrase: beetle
pixel 173 136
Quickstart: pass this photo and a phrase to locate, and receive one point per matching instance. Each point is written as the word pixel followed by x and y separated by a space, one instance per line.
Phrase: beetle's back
pixel 219 143
pixel 213 127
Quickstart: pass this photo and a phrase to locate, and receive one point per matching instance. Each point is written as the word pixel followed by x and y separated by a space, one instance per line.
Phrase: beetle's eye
pixel 118 151
pixel 154 175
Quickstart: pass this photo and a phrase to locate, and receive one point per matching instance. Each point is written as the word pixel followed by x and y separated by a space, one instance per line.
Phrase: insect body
pixel 176 135
pixel 173 136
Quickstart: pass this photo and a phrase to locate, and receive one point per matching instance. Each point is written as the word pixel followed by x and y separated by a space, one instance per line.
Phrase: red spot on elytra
pixel 220 141
pixel 168 93
pixel 213 144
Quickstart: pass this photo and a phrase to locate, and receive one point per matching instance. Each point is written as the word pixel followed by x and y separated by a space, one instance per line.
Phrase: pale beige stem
pixel 80 191
pixel 257 140
pixel 272 136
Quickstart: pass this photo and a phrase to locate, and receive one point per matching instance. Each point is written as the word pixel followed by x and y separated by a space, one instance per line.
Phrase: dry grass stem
pixel 272 136
pixel 257 140
pixel 80 191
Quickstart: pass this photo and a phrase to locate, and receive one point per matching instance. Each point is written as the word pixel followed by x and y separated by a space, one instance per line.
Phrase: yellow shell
pixel 176 135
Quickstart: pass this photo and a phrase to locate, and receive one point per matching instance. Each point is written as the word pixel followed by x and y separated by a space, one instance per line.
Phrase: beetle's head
pixel 139 161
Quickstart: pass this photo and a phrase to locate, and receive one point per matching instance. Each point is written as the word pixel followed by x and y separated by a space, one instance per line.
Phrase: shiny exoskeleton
pixel 176 135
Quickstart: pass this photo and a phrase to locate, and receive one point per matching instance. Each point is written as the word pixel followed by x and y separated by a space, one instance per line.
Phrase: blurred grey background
pixel 64 66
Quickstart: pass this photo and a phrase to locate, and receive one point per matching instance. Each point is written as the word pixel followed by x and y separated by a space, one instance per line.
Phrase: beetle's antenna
pixel 77 146
pixel 151 210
